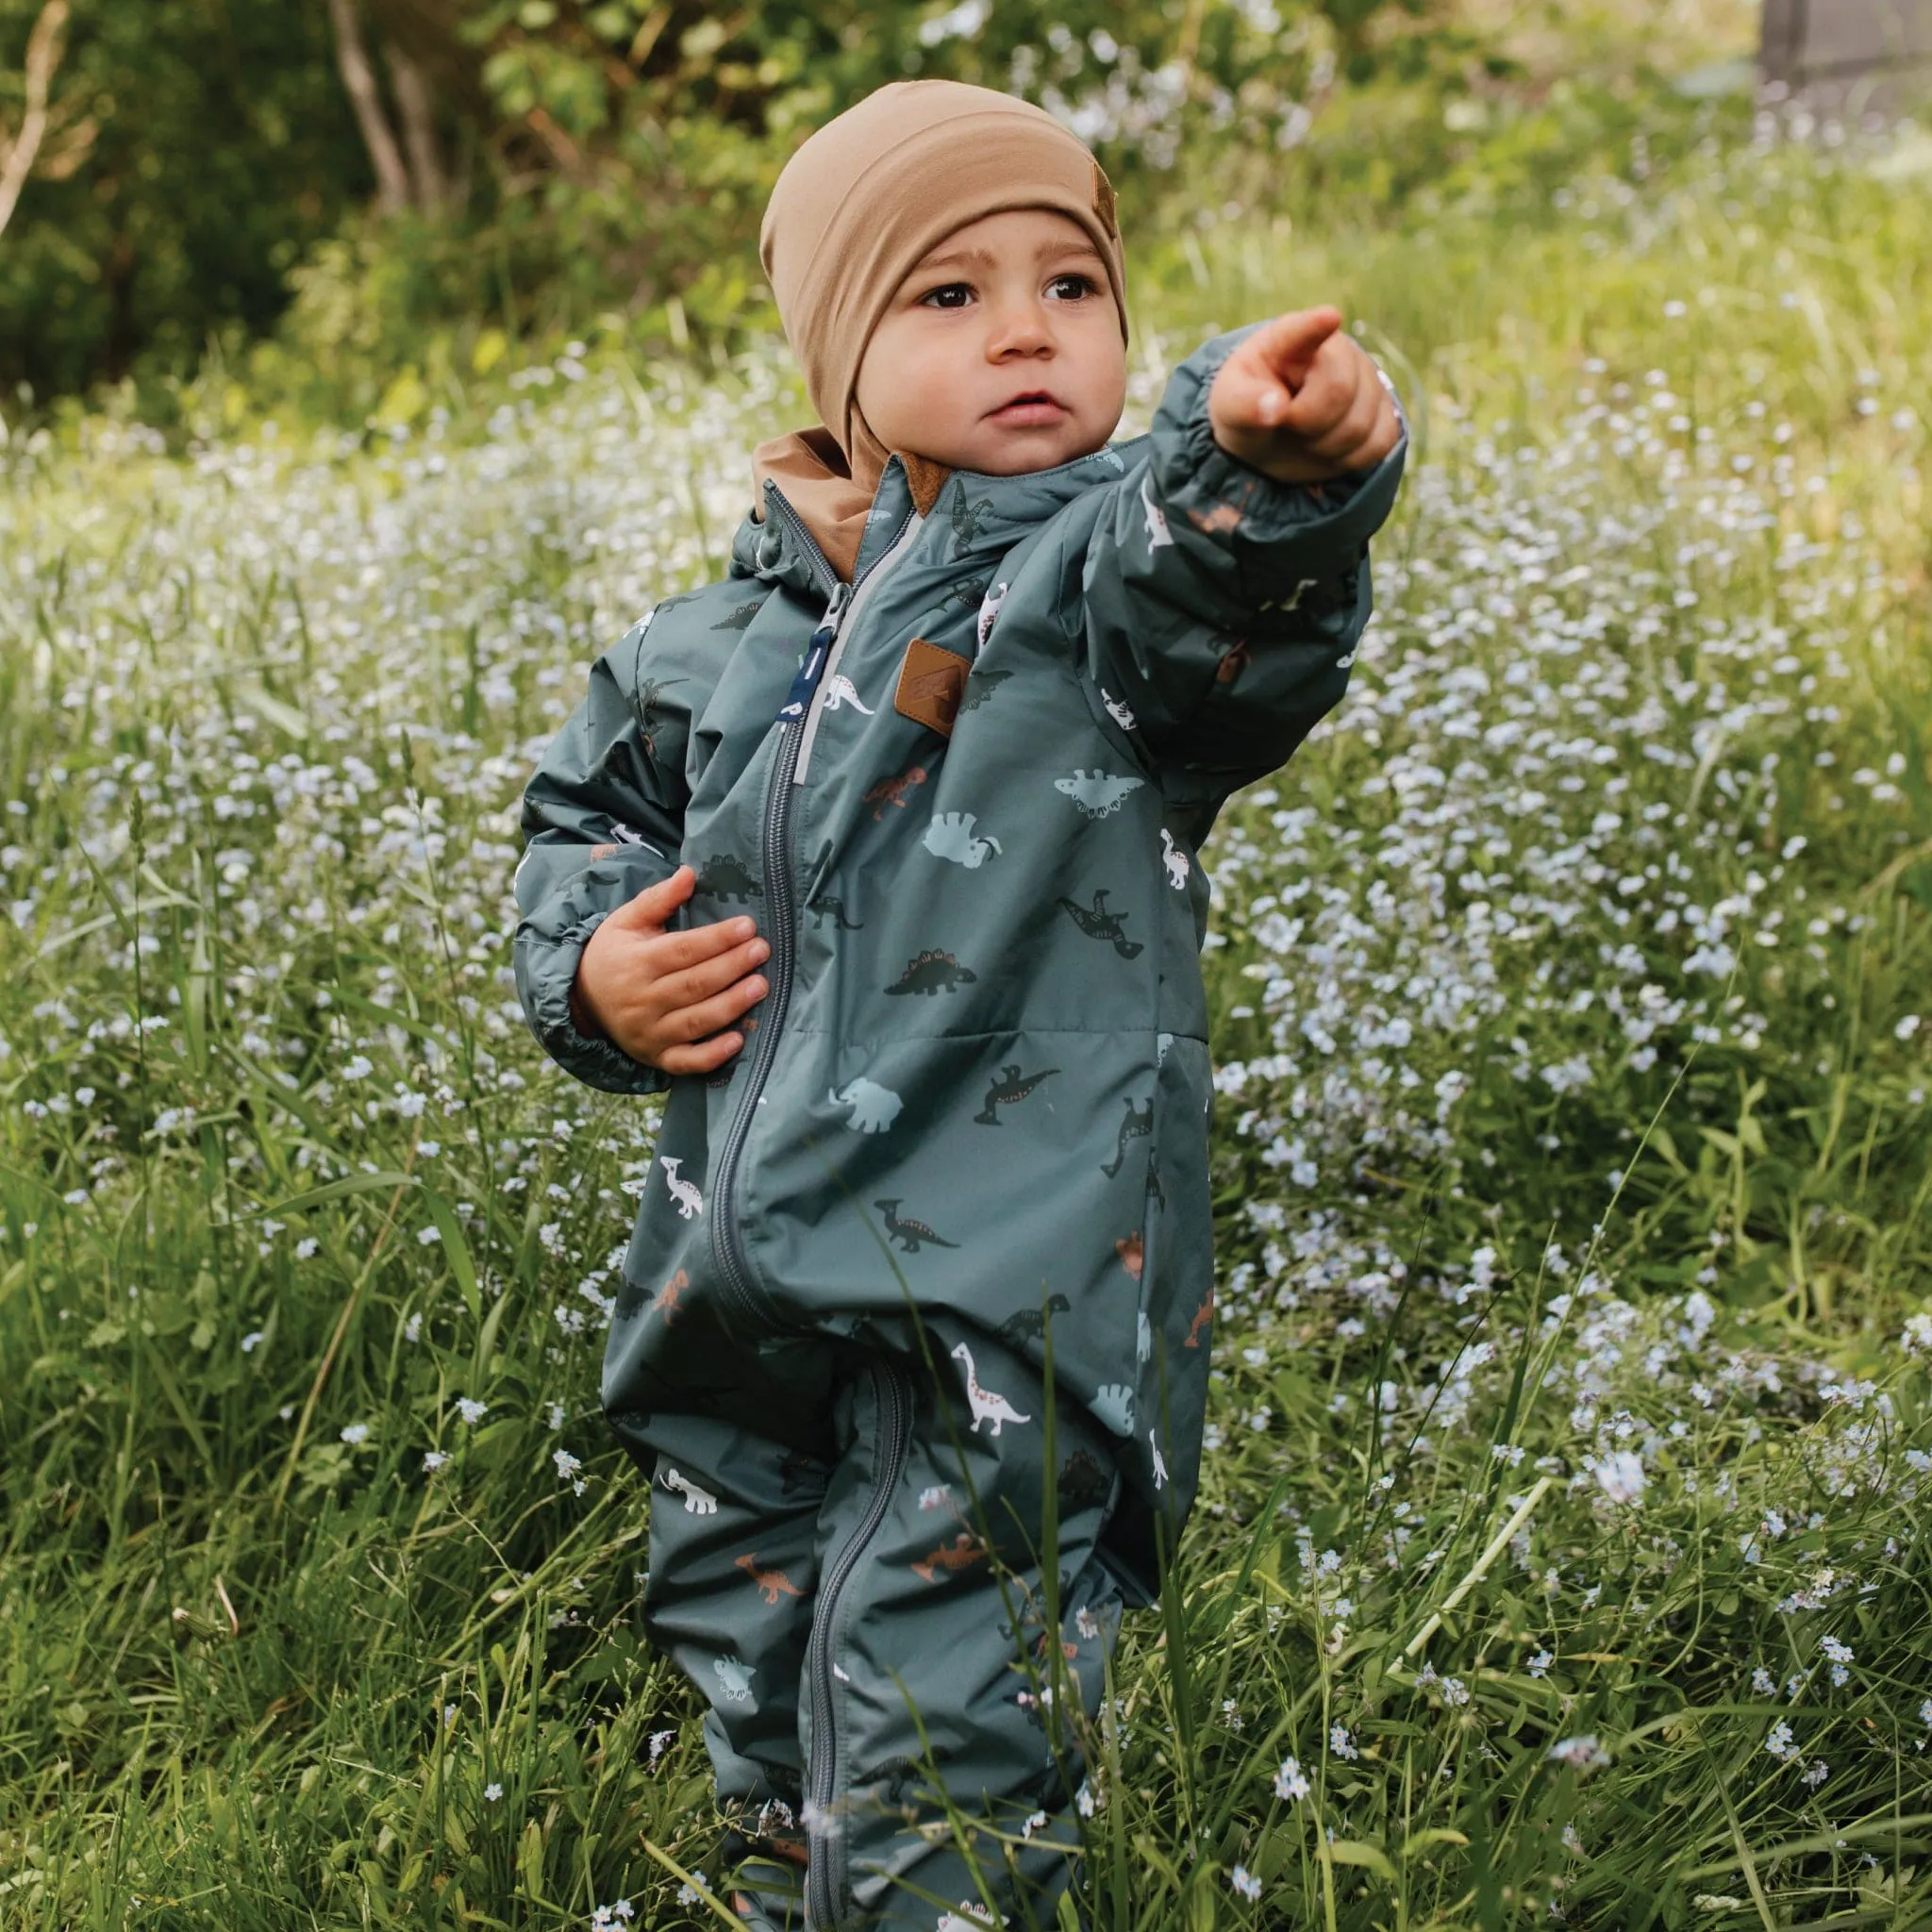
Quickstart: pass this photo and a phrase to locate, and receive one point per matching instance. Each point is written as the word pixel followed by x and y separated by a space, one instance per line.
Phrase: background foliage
pixel 596 167
pixel 1560 1557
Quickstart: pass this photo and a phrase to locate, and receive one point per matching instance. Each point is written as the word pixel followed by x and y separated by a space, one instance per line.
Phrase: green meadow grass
pixel 1560 1555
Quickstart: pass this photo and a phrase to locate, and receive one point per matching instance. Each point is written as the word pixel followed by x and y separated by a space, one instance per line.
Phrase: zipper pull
pixel 834 612
pixel 798 700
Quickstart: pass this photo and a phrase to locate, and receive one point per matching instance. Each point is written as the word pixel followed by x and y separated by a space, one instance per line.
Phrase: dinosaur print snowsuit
pixel 968 1132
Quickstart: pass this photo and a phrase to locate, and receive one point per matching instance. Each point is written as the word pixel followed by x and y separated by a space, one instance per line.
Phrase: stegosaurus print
pixel 741 618
pixel 933 971
pixel 980 685
pixel 727 877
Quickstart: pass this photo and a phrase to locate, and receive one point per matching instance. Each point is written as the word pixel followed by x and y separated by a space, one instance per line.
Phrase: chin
pixel 1018 455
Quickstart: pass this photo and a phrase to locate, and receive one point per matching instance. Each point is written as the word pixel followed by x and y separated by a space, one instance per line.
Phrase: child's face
pixel 1012 305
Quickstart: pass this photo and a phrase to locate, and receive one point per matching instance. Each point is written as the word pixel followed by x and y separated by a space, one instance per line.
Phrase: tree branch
pixel 419 129
pixel 44 46
pixel 358 77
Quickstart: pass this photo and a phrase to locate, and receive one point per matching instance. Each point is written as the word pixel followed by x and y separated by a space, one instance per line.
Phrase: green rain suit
pixel 913 1336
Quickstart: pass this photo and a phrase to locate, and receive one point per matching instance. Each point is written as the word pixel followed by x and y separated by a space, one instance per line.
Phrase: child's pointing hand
pixel 1302 402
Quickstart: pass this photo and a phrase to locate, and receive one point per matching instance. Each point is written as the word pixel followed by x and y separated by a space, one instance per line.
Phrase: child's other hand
pixel 662 996
pixel 1302 402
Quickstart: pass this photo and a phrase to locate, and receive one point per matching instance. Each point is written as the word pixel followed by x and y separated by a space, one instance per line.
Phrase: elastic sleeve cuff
pixel 1277 535
pixel 546 972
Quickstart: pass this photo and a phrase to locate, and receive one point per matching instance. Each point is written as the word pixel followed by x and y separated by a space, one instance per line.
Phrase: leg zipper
pixel 824 1877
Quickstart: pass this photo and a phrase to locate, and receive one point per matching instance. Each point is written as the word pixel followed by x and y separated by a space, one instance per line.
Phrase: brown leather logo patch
pixel 930 683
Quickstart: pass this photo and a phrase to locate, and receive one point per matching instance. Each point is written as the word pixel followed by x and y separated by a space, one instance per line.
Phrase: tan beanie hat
pixel 855 211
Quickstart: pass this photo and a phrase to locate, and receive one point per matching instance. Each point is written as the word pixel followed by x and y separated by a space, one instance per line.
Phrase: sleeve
pixel 1222 608
pixel 604 816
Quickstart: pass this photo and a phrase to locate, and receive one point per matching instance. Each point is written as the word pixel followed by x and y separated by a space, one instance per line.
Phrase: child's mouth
pixel 1036 406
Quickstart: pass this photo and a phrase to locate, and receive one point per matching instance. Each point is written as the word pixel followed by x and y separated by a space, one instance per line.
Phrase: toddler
pixel 877 858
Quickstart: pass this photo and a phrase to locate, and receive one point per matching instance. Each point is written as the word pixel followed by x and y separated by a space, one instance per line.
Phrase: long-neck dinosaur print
pixel 1010 1086
pixel 934 972
pixel 1097 922
pixel 1137 1126
pixel 987 1404
pixel 771 1583
pixel 910 1235
pixel 1202 1315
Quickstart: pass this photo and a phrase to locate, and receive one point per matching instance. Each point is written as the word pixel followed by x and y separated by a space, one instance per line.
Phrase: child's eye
pixel 933 297
pixel 1083 284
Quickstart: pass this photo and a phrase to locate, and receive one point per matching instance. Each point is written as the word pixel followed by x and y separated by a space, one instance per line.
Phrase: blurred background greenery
pixel 354 207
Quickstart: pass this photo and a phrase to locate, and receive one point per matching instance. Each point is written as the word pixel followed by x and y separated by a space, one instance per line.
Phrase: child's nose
pixel 1021 325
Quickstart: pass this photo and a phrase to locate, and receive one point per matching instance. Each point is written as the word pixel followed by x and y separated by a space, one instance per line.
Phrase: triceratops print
pixel 1138 1124
pixel 771 1583
pixel 910 1235
pixel 950 836
pixel 1097 792
pixel 874 1108
pixel 1097 922
pixel 933 971
pixel 1009 1087
pixel 724 876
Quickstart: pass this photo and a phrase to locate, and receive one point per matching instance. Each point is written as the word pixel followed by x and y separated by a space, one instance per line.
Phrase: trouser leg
pixel 955 1628
pixel 738 1485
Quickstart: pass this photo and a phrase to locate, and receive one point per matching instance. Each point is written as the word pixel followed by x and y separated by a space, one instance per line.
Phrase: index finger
pixel 1291 344
pixel 1327 393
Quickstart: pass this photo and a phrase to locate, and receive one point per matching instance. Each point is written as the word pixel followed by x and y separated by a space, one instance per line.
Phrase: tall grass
pixel 1561 1548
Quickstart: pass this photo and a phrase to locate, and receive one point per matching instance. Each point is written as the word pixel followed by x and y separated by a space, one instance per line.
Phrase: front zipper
pixel 728 1237
pixel 824 1841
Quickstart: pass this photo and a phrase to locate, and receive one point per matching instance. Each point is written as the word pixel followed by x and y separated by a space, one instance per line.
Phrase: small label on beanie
pixel 930 683
pixel 1104 202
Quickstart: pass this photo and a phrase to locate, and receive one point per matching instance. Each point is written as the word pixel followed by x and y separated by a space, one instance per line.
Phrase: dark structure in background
pixel 1847 48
